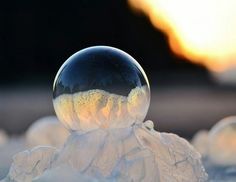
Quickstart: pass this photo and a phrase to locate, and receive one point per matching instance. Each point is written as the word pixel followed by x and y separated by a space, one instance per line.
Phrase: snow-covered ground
pixel 46 131
pixel 139 153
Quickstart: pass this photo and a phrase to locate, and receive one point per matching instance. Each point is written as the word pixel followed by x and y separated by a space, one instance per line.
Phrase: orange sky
pixel 203 31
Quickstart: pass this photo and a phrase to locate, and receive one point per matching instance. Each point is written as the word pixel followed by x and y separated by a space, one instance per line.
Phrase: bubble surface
pixel 100 87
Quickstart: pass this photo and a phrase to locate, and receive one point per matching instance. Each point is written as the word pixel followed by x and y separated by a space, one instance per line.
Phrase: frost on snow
pixel 137 153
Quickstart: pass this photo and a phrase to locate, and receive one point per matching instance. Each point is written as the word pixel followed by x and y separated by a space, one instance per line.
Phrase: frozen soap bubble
pixel 222 142
pixel 100 87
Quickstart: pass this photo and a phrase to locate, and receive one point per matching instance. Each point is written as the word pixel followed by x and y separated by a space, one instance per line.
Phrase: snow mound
pixel 137 153
pixel 67 174
pixel 46 131
pixel 31 163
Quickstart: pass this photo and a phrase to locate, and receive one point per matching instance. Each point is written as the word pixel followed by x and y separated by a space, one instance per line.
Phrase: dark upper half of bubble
pixel 99 67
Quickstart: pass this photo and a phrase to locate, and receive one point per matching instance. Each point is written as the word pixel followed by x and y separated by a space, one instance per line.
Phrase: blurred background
pixel 187 53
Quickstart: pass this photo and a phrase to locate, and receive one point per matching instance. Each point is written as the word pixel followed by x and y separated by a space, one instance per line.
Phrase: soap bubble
pixel 222 142
pixel 101 87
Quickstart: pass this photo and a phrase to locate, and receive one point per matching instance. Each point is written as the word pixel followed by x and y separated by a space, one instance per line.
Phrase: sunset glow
pixel 203 31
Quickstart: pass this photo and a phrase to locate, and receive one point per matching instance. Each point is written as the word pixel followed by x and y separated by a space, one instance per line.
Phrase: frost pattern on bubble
pixel 46 131
pixel 125 154
pixel 100 109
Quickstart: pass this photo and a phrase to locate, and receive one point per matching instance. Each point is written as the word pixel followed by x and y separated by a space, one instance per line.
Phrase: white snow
pixel 31 163
pixel 13 146
pixel 46 131
pixel 66 173
pixel 136 153
pixel 120 154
